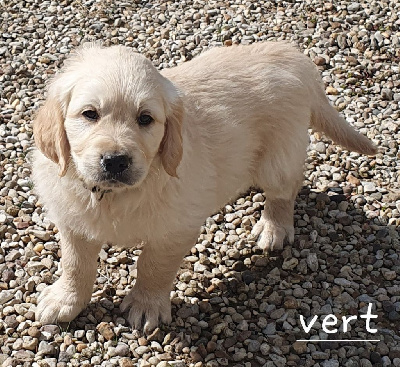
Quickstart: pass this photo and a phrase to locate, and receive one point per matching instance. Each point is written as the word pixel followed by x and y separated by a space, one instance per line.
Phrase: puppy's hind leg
pixel 280 177
pixel 275 224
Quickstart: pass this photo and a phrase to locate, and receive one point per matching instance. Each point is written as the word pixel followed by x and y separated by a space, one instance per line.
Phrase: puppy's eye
pixel 145 119
pixel 91 115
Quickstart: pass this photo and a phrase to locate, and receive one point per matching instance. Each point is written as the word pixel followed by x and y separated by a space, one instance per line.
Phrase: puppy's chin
pixel 113 184
pixel 118 181
pixel 115 180
pixel 105 181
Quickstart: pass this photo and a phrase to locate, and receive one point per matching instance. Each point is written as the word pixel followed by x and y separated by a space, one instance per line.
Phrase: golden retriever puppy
pixel 128 155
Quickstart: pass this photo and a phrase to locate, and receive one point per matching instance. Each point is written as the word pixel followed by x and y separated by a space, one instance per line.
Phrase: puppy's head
pixel 110 113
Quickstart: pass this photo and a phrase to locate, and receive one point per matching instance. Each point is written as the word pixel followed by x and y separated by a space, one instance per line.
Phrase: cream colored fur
pixel 230 119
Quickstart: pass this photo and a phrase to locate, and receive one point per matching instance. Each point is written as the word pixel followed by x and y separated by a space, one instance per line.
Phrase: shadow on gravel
pixel 342 260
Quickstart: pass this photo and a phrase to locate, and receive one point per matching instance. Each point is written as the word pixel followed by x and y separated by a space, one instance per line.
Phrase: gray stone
pixel 330 363
pixel 312 261
pixel 343 282
pixel 270 329
pixel 320 147
pixel 353 7
pixel 253 346
pixel 5 296
pixel 122 350
pixel 46 348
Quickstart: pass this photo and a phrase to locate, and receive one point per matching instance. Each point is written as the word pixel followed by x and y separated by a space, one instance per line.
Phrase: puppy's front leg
pixel 68 296
pixel 148 302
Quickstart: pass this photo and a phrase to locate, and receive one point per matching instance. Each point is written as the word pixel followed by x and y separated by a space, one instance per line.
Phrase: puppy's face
pixel 111 114
pixel 115 124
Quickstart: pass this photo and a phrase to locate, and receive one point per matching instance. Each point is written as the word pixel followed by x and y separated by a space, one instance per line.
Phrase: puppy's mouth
pixel 115 180
pixel 118 180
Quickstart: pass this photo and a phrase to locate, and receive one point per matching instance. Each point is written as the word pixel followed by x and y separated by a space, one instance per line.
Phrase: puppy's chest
pixel 122 223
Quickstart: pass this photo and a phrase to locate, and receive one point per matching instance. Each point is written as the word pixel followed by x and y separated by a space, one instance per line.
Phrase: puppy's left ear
pixel 49 133
pixel 171 148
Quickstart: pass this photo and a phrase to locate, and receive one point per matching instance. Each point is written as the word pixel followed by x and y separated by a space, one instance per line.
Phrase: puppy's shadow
pixel 260 298
pixel 215 311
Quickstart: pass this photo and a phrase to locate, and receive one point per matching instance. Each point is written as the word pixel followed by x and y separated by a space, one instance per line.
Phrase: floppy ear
pixel 171 145
pixel 50 136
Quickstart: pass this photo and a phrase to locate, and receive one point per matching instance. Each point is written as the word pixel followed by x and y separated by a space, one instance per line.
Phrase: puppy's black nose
pixel 114 163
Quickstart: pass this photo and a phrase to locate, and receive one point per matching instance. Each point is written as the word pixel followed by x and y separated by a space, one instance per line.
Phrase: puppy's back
pixel 275 73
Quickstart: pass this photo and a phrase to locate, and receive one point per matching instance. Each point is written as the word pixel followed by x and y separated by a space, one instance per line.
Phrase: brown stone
pixel 332 91
pixel 21 225
pixel 67 340
pixel 320 61
pixel 300 347
pixel 196 357
pixel 80 347
pixel 353 180
pixel 34 332
pixel 125 362
pixel 291 303
pixel 156 335
pixel 106 330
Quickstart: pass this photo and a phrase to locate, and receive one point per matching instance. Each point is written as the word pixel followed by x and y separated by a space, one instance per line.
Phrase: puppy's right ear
pixel 49 133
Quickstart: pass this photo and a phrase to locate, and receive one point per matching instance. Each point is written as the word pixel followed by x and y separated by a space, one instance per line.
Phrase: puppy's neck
pixel 96 191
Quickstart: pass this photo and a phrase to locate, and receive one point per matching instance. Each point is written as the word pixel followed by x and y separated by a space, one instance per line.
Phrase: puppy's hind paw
pixel 257 229
pixel 271 237
pixel 146 310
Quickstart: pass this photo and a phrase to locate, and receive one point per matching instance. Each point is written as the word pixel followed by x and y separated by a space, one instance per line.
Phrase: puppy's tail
pixel 326 119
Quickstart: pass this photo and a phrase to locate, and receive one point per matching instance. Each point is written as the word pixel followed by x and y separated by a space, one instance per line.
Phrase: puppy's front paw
pixel 270 236
pixel 59 304
pixel 147 309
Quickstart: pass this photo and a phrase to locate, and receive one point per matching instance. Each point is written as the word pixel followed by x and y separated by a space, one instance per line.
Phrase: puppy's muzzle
pixel 114 164
pixel 116 168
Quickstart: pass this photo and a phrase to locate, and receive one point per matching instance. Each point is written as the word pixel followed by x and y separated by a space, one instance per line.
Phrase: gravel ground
pixel 232 305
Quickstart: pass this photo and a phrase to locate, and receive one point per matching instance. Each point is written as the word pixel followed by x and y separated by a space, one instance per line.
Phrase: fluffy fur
pixel 230 119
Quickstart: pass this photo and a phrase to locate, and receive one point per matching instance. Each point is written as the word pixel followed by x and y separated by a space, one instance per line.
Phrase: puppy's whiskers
pixel 144 154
